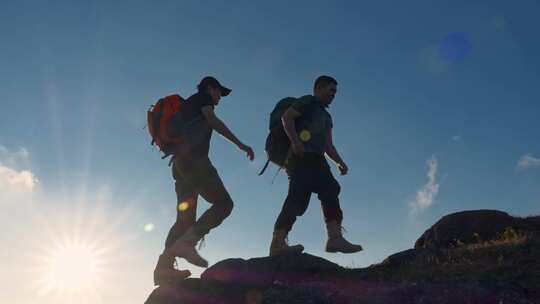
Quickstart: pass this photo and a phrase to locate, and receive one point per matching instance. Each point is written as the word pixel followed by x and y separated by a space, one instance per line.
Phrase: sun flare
pixel 72 267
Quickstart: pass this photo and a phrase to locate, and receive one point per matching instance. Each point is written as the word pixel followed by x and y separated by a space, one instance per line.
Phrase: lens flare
pixel 148 227
pixel 183 206
pixel 305 135
pixel 455 47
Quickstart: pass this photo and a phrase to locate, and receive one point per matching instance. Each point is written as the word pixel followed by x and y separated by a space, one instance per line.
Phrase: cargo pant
pixel 310 174
pixel 194 178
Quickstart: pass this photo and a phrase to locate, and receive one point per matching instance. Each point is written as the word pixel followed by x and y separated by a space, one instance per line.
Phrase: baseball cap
pixel 209 80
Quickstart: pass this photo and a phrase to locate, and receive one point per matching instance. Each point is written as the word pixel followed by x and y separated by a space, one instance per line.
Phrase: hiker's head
pixel 325 89
pixel 212 86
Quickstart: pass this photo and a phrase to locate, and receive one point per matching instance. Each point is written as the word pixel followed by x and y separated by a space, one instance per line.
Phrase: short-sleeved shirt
pixel 192 108
pixel 314 124
pixel 195 129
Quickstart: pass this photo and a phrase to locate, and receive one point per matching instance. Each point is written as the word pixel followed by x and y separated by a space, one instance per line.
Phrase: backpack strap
pixel 171 160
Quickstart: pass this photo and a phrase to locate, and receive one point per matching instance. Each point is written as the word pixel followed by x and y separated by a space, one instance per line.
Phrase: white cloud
pixel 13 158
pixel 528 161
pixel 425 196
pixel 456 137
pixel 14 181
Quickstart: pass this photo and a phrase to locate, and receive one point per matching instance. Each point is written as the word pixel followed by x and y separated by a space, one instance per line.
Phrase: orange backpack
pixel 158 117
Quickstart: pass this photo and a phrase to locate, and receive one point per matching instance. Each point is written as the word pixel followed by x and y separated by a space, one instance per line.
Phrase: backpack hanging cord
pixel 264 167
pixel 274 178
pixel 289 153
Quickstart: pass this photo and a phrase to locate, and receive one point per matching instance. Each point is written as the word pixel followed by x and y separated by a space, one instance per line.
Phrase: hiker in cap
pixel 195 175
pixel 308 126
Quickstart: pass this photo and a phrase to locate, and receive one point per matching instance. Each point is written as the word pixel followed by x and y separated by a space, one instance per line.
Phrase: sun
pixel 73 267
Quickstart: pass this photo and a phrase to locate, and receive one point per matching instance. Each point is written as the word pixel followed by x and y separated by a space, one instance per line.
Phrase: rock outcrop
pixel 468 227
pixel 481 256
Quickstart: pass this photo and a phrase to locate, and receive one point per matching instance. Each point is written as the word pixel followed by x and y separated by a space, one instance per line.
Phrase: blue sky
pixel 437 111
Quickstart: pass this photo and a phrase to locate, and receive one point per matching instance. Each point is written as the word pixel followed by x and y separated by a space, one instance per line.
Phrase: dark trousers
pixel 194 178
pixel 310 174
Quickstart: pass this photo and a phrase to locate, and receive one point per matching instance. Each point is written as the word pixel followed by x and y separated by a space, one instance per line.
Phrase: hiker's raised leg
pixel 328 192
pixel 211 188
pixel 185 218
pixel 221 208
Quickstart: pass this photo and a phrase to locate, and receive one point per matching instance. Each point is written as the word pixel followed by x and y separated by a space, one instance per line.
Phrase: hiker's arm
pixel 290 129
pixel 219 126
pixel 332 152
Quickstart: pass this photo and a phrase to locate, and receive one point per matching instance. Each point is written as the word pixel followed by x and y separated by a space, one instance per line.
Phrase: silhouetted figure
pixel 308 126
pixel 195 175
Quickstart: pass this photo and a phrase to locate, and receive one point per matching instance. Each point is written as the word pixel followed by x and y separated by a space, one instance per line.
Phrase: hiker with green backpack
pixel 183 128
pixel 300 137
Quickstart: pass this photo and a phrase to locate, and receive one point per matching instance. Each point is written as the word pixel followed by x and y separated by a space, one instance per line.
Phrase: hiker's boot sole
pixel 342 246
pixel 334 250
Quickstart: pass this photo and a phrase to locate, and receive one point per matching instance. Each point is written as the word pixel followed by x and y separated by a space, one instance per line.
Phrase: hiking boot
pixel 336 242
pixel 165 273
pixel 280 244
pixel 184 247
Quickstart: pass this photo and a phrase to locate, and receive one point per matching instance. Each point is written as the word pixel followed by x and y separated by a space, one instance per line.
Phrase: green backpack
pixel 277 142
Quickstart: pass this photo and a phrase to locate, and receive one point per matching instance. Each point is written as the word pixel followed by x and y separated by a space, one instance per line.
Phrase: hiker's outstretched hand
pixel 343 169
pixel 248 150
pixel 298 148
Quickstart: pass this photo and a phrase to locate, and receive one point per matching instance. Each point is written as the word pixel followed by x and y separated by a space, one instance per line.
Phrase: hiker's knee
pixel 229 206
pixel 330 193
pixel 225 206
pixel 334 189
